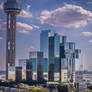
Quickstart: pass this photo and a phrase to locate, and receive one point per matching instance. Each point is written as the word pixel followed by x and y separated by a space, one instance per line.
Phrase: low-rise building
pixel 84 77
pixel 14 73
pixel 64 76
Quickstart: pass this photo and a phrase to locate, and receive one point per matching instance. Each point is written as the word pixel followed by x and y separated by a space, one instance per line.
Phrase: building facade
pixel 37 62
pixel 29 71
pixel 84 77
pixel 14 73
pixel 23 63
pixel 54 62
pixel 68 54
pixel 18 73
pixel 49 45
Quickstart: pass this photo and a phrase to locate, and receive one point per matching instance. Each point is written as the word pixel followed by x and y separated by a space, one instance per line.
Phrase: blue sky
pixel 72 18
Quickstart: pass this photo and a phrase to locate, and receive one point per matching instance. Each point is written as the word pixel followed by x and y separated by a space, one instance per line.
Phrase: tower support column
pixel 10 42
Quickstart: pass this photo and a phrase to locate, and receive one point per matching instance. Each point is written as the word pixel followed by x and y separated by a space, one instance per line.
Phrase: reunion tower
pixel 11 8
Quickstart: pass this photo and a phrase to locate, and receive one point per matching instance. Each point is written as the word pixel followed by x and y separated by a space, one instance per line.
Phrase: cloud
pixel 21 27
pixel 26 13
pixel 1 6
pixel 90 41
pixel 67 16
pixel 87 34
pixel 1 38
pixel 25 28
pixel 24 31
pixel 36 27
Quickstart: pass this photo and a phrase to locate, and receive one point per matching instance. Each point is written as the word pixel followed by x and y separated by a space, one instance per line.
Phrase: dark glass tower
pixel 11 8
pixel 51 59
pixel 18 73
pixel 53 54
pixel 39 66
pixel 29 72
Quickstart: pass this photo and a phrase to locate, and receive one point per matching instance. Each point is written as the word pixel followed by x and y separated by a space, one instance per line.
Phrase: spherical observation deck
pixel 12 7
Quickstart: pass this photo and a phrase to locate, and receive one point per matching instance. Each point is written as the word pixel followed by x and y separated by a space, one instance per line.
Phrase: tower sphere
pixel 12 6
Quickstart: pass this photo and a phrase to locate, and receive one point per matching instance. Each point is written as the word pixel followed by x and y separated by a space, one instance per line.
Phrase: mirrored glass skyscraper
pixel 49 45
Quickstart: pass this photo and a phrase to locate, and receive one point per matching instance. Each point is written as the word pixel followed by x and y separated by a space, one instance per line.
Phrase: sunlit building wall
pixel 64 76
pixel 11 73
pixel 22 63
pixel 14 73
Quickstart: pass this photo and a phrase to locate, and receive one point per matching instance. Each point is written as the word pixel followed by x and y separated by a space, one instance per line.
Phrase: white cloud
pixel 25 28
pixel 87 34
pixel 1 38
pixel 66 16
pixel 36 27
pixel 21 27
pixel 26 13
pixel 90 41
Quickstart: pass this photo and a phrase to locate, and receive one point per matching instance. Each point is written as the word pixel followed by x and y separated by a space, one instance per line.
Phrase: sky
pixel 72 18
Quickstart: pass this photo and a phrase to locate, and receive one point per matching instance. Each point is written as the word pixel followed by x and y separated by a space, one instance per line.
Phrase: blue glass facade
pixel 34 64
pixel 36 58
pixel 44 42
pixel 56 65
pixel 45 65
pixel 57 45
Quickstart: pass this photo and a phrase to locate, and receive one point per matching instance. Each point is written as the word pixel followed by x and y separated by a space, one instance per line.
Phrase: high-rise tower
pixel 11 8
pixel 49 45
